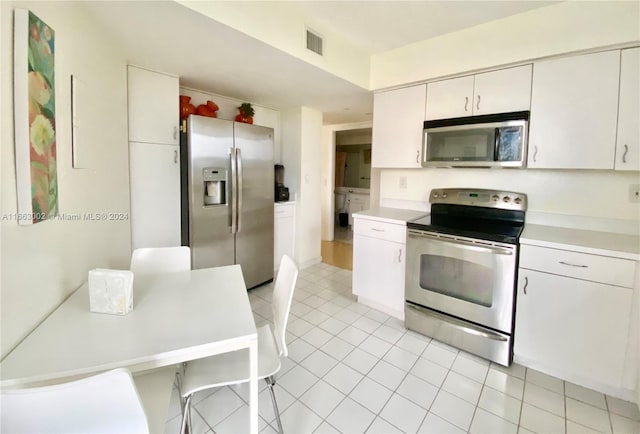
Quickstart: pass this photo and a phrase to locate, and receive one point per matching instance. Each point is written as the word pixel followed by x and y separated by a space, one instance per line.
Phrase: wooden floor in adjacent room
pixel 338 254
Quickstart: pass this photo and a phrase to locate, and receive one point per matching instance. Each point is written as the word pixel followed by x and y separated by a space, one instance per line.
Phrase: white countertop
pixel 390 215
pixel 595 242
pixel 285 203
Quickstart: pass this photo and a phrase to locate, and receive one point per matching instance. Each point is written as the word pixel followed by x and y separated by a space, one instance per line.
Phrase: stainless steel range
pixel 462 262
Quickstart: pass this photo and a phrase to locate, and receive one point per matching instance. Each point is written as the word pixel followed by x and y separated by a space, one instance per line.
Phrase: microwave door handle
pixel 496 143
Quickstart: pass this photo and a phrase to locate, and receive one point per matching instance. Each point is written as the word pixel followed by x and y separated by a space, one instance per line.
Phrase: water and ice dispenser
pixel 215 185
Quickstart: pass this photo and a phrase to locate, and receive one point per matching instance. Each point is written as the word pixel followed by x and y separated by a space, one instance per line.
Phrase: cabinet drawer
pixel 602 269
pixel 383 231
pixel 283 211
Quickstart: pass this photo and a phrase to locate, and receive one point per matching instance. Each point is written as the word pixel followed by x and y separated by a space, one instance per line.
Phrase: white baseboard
pixel 617 392
pixel 310 262
pixel 382 308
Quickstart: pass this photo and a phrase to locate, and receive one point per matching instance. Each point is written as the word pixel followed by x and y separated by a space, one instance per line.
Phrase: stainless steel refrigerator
pixel 227 196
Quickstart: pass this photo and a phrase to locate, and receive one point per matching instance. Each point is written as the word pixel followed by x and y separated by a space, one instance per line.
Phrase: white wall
pixel 283 26
pixel 584 193
pixel 264 116
pixel 301 156
pixel 556 29
pixel 42 264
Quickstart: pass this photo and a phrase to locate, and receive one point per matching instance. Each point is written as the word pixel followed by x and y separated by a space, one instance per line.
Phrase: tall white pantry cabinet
pixel 154 158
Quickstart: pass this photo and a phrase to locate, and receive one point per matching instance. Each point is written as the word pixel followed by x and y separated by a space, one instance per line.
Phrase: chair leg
pixel 271 381
pixel 179 374
pixel 186 426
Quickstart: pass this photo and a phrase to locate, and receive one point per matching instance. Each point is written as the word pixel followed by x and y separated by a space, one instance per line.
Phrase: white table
pixel 176 317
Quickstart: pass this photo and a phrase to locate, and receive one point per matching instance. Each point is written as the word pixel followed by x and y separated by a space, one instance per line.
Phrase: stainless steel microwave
pixel 498 140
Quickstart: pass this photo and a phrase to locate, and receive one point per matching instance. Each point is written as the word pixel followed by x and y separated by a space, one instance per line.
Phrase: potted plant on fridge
pixel 246 113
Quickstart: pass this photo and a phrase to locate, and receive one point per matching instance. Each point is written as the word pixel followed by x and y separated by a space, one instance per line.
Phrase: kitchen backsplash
pixel 588 193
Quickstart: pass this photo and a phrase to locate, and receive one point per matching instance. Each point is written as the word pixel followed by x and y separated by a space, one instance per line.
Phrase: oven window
pixel 457 278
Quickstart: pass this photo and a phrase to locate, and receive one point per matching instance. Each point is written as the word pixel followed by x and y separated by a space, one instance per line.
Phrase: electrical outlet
pixel 403 182
pixel 634 193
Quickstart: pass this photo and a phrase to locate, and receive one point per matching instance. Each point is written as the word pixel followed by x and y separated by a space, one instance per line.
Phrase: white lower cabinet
pixel 284 220
pixel 379 265
pixel 356 203
pixel 155 195
pixel 573 328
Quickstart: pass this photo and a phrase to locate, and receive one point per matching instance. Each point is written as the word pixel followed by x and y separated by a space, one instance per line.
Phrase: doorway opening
pixel 352 179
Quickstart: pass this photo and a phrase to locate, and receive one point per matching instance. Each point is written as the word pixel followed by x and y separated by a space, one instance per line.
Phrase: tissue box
pixel 110 291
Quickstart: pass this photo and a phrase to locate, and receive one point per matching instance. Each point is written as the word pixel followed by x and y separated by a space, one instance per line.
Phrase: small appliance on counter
pixel 281 193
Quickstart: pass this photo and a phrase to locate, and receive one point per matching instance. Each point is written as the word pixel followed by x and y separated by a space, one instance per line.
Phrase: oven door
pixel 467 278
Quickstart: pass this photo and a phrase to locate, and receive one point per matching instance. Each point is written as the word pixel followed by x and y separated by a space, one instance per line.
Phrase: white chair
pixel 233 367
pixel 149 260
pixel 109 402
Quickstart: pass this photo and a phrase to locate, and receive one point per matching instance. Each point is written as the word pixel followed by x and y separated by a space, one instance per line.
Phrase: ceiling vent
pixel 314 42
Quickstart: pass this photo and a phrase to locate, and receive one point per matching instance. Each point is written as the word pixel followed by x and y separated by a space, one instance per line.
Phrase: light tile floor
pixel 352 369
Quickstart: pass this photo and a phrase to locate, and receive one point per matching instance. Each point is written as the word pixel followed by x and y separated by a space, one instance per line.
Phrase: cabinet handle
pixel 175 133
pixel 535 153
pixel 418 156
pixel 624 156
pixel 399 255
pixel 573 265
pixel 175 157
pixel 466 103
pixel 377 230
pixel 478 103
pixel 526 283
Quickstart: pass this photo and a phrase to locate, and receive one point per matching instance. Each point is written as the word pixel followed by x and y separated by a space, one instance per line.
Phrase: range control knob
pixel 436 195
pixel 495 198
pixel 444 195
pixel 506 199
pixel 517 201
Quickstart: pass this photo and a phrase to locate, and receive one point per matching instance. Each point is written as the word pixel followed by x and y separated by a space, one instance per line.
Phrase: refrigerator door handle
pixel 234 191
pixel 239 193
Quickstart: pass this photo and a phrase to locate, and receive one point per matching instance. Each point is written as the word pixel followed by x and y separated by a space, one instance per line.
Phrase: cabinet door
pixel 153 107
pixel 450 98
pixel 378 271
pixel 502 91
pixel 398 117
pixel 155 195
pixel 283 235
pixel 574 107
pixel 628 143
pixel 572 327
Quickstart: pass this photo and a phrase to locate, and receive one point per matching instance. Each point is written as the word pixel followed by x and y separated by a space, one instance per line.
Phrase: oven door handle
pixel 461 243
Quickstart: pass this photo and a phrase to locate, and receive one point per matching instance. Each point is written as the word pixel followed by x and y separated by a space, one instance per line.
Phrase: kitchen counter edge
pixel 390 215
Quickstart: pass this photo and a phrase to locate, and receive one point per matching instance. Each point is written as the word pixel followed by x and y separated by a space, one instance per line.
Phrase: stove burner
pixel 484 214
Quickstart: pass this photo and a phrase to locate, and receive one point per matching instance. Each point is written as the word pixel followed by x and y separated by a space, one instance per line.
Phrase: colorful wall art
pixel 34 116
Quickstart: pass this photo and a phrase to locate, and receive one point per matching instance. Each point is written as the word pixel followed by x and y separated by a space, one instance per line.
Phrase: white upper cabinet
pixel 153 107
pixel 574 109
pixel 501 91
pixel 450 98
pixel 628 142
pixel 398 117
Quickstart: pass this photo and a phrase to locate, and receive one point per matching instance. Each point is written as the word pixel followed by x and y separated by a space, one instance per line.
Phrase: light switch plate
pixel 634 193
pixel 403 182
